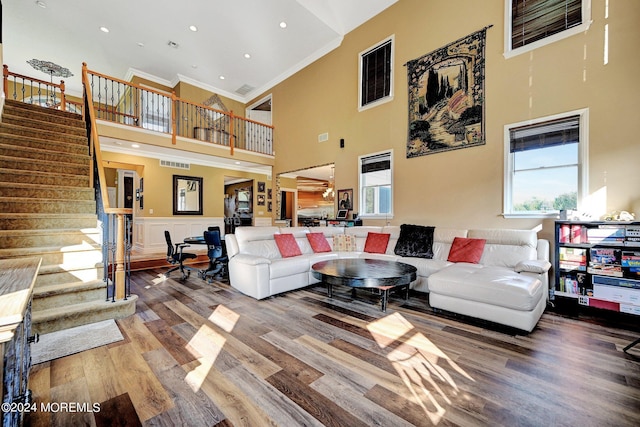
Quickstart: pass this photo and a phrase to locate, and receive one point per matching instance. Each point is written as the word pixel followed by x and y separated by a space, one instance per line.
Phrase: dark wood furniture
pixel 17 278
pixel 365 273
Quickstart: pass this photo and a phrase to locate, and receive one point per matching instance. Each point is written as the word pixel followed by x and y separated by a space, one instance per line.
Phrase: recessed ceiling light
pixel 194 66
pixel 104 29
pixel 221 77
pixel 247 56
pixel 41 4
pixel 140 44
pixel 193 28
pixel 283 24
pixel 135 146
pixel 237 163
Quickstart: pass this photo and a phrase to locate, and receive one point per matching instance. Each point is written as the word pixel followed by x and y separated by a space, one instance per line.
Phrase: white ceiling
pixel 67 32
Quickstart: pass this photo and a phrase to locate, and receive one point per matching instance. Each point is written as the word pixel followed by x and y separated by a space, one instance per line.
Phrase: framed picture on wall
pixel 269 194
pixel 345 199
pixel 261 186
pixel 269 206
pixel 260 199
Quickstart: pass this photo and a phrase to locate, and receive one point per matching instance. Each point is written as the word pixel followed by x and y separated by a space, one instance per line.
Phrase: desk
pixel 195 240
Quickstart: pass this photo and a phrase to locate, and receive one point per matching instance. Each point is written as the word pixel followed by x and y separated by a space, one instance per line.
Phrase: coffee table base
pixel 384 292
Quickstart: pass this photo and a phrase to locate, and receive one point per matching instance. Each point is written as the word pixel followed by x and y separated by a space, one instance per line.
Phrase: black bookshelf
pixel 597 263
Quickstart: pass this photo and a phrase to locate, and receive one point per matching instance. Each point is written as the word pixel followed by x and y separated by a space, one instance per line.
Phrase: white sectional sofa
pixel 508 285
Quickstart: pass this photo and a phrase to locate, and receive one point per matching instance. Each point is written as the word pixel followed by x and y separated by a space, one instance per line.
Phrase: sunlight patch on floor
pixel 423 367
pixel 224 318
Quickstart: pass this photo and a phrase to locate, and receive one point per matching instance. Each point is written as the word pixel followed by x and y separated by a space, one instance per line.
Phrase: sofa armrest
pixel 539 266
pixel 250 259
pixel 543 249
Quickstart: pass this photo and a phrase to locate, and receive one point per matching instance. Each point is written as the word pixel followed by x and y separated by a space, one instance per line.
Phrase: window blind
pixel 533 20
pixel 546 134
pixel 376 163
pixel 376 73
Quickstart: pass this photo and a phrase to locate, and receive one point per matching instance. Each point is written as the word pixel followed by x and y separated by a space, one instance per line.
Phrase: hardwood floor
pixel 201 354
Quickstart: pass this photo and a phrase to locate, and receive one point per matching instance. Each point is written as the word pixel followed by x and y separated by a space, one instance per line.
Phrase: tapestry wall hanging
pixel 446 97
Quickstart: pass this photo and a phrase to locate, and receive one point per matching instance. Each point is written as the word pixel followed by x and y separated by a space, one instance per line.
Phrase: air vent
pixel 176 165
pixel 244 89
pixel 172 44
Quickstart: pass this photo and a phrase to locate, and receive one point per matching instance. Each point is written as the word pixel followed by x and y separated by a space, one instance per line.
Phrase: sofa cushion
pixel 344 243
pixel 415 241
pixel 376 243
pixel 466 250
pixel 318 242
pixel 498 286
pixel 285 267
pixel 506 247
pixel 287 245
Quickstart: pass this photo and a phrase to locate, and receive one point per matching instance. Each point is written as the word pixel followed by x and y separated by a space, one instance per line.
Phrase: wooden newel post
pixel 63 102
pixel 119 265
pixel 5 78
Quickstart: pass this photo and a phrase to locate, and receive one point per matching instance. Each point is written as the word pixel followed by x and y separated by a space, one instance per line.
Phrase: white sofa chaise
pixel 509 285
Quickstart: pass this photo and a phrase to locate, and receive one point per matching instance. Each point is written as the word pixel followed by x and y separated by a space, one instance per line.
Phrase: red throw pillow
pixel 466 250
pixel 376 243
pixel 318 242
pixel 287 245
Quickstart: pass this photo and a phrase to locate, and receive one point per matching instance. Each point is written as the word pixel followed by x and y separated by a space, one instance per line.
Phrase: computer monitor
pixel 342 214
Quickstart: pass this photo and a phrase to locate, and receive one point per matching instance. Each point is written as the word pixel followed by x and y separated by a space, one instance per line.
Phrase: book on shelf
pixel 612 234
pixel 573 265
pixel 622 282
pixel 631 263
pixel 573 254
pixel 578 233
pixel 564 233
pixel 605 269
pixel 572 283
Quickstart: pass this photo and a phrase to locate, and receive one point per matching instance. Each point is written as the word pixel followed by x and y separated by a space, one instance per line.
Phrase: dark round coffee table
pixel 365 273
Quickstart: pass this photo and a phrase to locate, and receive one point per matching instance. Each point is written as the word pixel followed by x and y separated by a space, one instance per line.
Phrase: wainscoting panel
pixel 262 221
pixel 149 232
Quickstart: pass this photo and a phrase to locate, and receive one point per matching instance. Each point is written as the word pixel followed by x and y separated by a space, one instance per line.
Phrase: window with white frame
pixel 376 185
pixel 155 111
pixel 530 24
pixel 376 75
pixel 546 165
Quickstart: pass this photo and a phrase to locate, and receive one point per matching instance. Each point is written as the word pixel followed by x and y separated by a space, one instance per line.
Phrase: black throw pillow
pixel 415 241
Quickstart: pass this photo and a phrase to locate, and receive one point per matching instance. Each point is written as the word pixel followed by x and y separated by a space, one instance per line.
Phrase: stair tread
pixel 48 200
pixel 64 288
pixel 48 186
pixel 80 144
pixel 79 156
pixel 12 103
pixel 89 307
pixel 34 251
pixel 47 215
pixel 52 162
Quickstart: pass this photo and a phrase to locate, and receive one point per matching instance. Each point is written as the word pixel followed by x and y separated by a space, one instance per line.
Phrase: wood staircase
pixel 48 209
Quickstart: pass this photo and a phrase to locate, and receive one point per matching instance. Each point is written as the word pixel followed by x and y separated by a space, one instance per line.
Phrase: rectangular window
pixel 155 111
pixel 376 195
pixel 533 23
pixel 545 165
pixel 376 78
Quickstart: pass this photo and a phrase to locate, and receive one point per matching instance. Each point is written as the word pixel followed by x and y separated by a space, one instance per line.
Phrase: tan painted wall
pixel 158 186
pixel 465 187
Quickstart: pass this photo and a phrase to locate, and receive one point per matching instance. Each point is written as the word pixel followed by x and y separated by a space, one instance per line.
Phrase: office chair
pixel 176 256
pixel 217 256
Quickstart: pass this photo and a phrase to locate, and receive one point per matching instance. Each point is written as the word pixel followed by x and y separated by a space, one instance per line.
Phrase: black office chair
pixel 177 257
pixel 217 256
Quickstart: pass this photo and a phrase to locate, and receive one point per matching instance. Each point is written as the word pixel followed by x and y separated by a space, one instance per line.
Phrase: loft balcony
pixel 137 113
